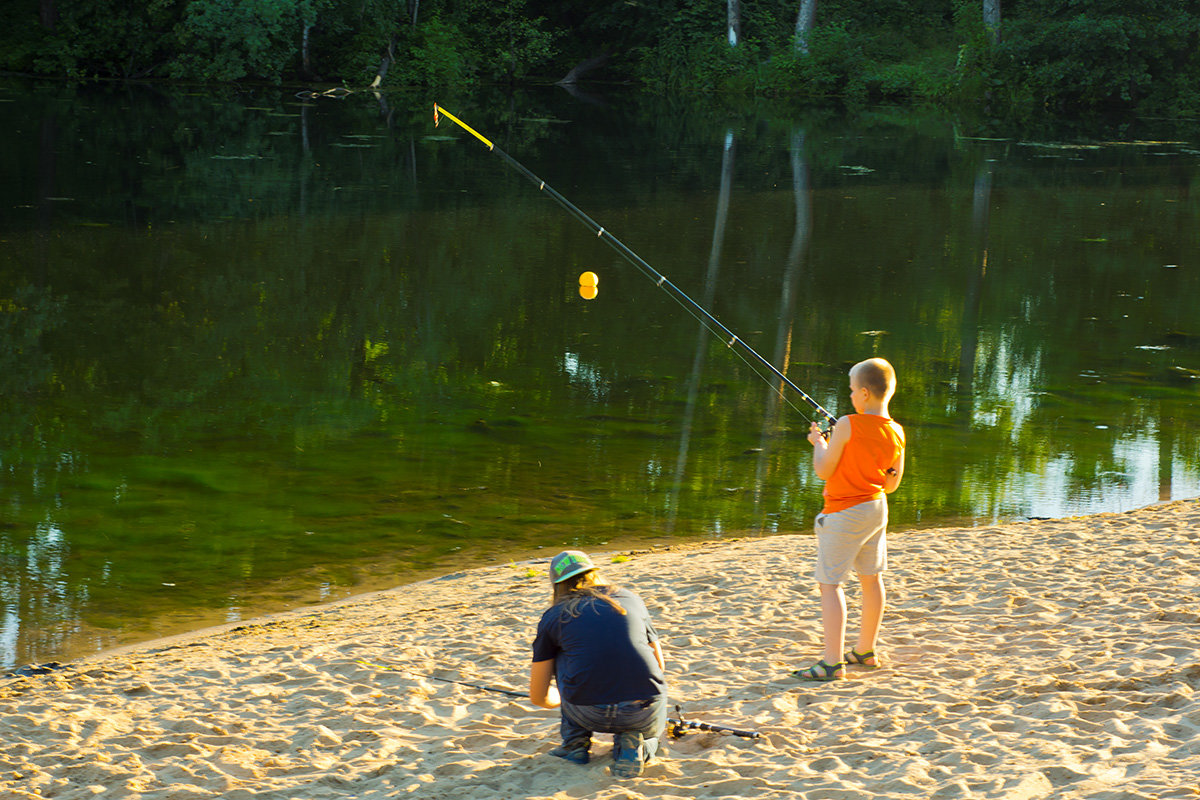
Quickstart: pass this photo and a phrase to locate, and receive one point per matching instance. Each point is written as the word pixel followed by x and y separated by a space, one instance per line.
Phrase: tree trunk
pixel 47 14
pixel 703 335
pixel 306 64
pixel 804 25
pixel 790 289
pixel 991 20
pixel 969 333
pixel 582 68
pixel 733 20
pixel 388 58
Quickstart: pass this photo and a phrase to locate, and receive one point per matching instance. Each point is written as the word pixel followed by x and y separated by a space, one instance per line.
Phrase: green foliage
pixel 904 81
pixel 436 56
pixel 700 64
pixel 974 64
pixel 473 41
pixel 906 17
pixel 689 52
pixel 348 42
pixel 226 40
pixel 623 30
pixel 101 38
pixel 1053 54
pixel 1103 55
pixel 835 61
pixel 512 44
pixel 833 66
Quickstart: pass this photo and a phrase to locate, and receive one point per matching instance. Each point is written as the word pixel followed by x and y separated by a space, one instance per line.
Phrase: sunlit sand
pixel 1052 658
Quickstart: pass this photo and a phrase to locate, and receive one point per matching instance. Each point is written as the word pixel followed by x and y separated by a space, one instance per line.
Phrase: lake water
pixel 261 351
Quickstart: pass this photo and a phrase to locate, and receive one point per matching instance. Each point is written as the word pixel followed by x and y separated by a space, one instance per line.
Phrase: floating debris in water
pixel 1060 146
pixel 35 669
pixel 1139 143
pixel 1152 347
pixel 855 169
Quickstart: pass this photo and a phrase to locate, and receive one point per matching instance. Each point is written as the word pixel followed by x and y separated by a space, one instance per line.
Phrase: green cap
pixel 568 564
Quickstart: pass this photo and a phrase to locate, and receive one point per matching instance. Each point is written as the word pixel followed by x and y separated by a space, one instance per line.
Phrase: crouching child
pixel 597 643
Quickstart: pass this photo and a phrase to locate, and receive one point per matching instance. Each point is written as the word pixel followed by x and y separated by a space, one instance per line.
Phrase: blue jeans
pixel 647 717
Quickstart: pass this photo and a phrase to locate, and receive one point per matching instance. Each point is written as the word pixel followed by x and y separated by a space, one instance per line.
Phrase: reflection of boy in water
pixel 861 463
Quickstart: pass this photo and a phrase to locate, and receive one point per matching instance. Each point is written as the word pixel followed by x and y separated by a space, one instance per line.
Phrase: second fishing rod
pixel 731 339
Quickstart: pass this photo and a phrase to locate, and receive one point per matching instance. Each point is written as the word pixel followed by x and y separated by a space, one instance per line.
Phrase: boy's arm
pixel 827 453
pixel 541 693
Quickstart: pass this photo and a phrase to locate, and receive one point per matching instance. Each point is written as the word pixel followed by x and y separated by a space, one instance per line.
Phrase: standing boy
pixel 861 463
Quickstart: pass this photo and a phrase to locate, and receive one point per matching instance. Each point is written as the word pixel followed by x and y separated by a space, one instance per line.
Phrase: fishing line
pixel 778 390
pixel 714 325
pixel 480 686
pixel 676 726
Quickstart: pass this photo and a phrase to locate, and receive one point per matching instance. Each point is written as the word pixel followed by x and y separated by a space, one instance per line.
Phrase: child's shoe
pixel 821 671
pixel 868 659
pixel 627 756
pixel 575 751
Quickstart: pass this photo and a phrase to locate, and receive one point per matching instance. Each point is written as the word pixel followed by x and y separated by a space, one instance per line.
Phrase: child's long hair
pixel 570 594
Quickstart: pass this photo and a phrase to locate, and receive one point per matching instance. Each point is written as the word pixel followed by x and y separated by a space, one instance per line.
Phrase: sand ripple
pixel 1042 659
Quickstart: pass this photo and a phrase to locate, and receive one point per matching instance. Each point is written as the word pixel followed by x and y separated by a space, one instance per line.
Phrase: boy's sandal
pixel 821 671
pixel 855 657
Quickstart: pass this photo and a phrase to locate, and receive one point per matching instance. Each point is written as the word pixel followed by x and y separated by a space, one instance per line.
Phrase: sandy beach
pixel 1055 658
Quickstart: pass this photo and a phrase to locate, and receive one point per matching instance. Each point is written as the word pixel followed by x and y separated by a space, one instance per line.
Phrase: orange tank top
pixel 874 445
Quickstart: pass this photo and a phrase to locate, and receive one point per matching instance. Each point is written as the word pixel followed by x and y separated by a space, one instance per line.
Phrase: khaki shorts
pixel 851 539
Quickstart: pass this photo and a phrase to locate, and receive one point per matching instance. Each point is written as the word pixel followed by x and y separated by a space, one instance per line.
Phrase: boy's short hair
pixel 877 375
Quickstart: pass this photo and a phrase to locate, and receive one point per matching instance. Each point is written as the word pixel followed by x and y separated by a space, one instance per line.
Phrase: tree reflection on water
pixel 261 352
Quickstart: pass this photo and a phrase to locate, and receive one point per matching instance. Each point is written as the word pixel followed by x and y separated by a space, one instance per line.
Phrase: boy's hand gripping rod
pixel 711 322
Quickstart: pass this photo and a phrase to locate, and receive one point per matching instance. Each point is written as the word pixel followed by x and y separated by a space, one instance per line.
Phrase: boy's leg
pixel 656 727
pixel 647 717
pixel 874 599
pixel 641 725
pixel 576 740
pixel 833 621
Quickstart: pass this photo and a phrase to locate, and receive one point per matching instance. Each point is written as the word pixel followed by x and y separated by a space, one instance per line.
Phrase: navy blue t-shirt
pixel 601 656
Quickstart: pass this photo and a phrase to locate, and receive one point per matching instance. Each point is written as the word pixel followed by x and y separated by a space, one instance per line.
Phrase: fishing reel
pixel 678 727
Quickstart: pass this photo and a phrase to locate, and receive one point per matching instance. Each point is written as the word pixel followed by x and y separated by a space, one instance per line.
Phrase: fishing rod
pixel 729 337
pixel 677 727
pixel 480 686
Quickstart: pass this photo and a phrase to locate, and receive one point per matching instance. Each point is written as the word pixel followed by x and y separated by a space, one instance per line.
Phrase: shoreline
pixel 264 603
pixel 177 624
pixel 1045 658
